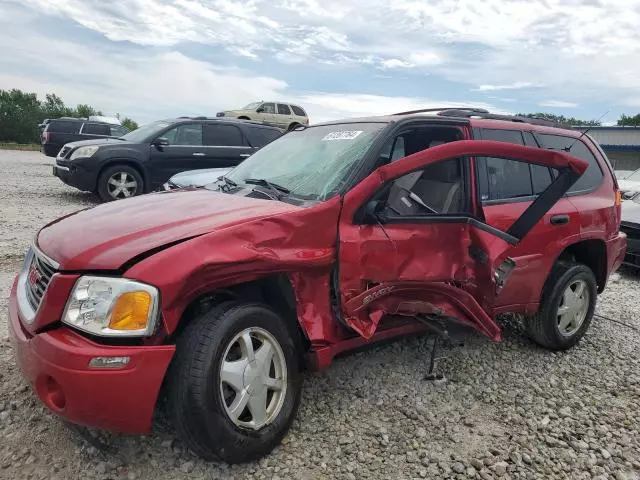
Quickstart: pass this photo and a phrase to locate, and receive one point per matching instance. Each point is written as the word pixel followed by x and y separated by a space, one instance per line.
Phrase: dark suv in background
pixel 59 131
pixel 142 160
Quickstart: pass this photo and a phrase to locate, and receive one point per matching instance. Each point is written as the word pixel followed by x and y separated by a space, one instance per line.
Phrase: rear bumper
pixel 50 149
pixel 616 249
pixel 56 363
pixel 632 257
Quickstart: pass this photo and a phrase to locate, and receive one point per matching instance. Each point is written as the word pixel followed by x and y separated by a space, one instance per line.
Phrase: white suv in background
pixel 283 115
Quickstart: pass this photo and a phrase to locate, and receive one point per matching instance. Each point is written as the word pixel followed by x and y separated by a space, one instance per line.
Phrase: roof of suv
pixel 47 121
pixel 475 116
pixel 222 119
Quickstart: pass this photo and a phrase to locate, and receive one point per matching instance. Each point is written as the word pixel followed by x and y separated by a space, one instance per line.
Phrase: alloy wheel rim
pixel 122 185
pixel 253 379
pixel 573 308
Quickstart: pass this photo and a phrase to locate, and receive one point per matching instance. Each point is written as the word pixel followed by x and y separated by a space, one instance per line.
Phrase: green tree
pixel 629 120
pixel 561 119
pixel 54 107
pixel 84 111
pixel 20 113
pixel 130 124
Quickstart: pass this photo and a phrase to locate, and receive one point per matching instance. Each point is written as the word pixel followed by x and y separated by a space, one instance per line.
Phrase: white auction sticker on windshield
pixel 344 135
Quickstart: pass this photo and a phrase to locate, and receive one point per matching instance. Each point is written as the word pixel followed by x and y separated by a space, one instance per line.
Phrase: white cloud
pixel 329 106
pixel 558 104
pixel 510 86
pixel 563 44
pixel 148 86
pixel 586 50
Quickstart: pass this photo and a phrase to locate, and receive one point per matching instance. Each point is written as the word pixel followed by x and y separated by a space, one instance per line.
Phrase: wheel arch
pixel 590 252
pixel 130 162
pixel 275 291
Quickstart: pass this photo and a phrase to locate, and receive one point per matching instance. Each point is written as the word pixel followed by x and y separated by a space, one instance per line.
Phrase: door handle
pixel 198 154
pixel 559 219
pixel 245 155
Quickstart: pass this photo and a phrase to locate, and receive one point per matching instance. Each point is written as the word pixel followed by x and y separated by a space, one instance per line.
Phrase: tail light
pixel 46 136
pixel 617 208
pixel 618 200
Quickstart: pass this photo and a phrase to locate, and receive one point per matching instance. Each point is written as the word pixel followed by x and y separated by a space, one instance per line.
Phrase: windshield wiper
pixel 274 187
pixel 228 183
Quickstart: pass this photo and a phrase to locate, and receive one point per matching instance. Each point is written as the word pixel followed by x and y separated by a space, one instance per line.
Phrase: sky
pixel 150 59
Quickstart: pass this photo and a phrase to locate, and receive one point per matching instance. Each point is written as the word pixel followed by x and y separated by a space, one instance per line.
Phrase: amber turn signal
pixel 131 311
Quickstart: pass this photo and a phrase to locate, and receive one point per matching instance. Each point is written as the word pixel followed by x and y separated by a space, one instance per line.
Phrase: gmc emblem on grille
pixel 33 276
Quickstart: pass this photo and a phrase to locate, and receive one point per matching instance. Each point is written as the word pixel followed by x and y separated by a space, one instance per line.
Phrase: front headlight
pixel 83 152
pixel 112 307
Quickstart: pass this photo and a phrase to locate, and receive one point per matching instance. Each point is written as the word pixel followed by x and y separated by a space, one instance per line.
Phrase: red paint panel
pixel 300 242
pixel 106 236
pixel 372 256
pixel 53 301
pixel 115 399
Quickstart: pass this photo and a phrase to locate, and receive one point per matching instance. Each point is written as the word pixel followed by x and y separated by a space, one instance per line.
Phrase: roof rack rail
pixel 468 112
pixel 425 110
pixel 464 113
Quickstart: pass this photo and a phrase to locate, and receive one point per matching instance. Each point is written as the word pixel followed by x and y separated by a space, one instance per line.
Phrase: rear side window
pixel 223 136
pixel 259 137
pixel 502 179
pixel 96 129
pixel 298 111
pixel 593 176
pixel 283 109
pixel 118 131
pixel 61 126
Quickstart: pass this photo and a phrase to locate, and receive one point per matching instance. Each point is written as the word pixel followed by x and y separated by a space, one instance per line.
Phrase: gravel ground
pixel 508 410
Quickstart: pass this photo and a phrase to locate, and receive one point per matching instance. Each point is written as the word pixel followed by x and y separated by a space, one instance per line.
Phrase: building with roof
pixel 621 144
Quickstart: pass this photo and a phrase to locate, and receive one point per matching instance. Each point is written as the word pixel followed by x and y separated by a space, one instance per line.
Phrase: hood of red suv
pixel 107 236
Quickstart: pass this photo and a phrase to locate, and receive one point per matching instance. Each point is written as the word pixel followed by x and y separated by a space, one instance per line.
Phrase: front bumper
pixel 74 176
pixel 632 257
pixel 56 363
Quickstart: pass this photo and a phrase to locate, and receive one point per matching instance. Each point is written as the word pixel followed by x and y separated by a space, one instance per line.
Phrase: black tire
pixel 195 399
pixel 543 328
pixel 105 190
pixel 293 126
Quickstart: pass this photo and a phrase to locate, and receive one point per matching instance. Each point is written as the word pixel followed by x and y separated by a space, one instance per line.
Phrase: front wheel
pixel 567 307
pixel 235 383
pixel 118 182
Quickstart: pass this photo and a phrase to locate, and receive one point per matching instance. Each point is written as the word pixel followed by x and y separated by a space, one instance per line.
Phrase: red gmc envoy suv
pixel 332 237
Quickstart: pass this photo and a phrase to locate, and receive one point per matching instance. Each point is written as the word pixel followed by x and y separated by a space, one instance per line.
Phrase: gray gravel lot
pixel 508 410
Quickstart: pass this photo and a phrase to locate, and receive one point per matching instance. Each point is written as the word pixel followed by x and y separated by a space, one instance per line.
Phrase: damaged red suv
pixel 332 237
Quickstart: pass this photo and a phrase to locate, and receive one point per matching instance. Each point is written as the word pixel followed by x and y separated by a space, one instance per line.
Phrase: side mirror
pixel 160 142
pixel 370 213
pixel 259 109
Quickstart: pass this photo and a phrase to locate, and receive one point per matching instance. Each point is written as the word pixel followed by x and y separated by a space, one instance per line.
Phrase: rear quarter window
pixel 298 111
pixel 259 137
pixel 593 176
pixel 61 126
pixel 96 129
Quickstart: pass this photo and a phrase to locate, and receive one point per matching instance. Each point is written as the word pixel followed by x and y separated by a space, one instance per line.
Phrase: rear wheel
pixel 293 126
pixel 567 307
pixel 235 383
pixel 118 182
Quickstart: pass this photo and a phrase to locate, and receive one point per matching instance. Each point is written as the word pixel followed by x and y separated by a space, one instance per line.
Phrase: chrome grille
pixel 39 275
